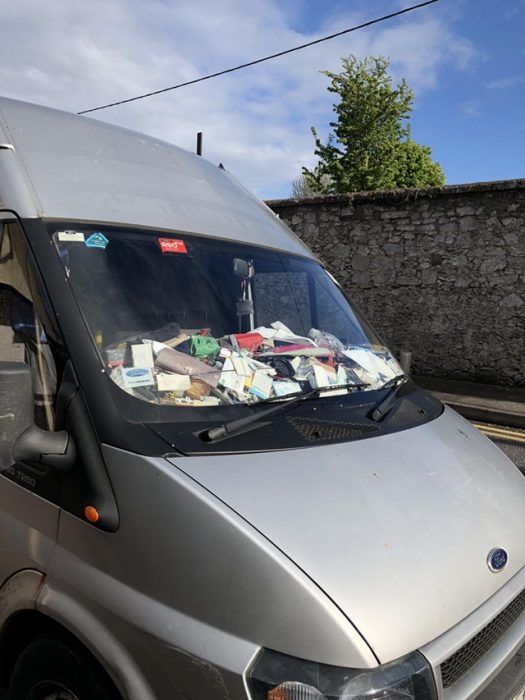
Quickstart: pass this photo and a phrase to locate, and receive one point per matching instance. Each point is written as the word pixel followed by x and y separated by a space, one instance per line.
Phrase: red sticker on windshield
pixel 172 245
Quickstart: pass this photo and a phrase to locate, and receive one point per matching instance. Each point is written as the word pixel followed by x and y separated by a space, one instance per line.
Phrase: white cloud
pixel 472 108
pixel 75 55
pixel 420 49
pixel 510 81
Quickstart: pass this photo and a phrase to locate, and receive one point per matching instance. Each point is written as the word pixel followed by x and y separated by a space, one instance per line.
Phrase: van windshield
pixel 188 320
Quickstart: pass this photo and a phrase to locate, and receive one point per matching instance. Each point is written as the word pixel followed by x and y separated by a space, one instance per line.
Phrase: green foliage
pixel 416 167
pixel 370 147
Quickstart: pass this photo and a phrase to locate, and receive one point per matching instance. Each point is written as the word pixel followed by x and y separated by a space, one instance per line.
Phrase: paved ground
pixel 498 411
pixel 499 405
pixel 510 440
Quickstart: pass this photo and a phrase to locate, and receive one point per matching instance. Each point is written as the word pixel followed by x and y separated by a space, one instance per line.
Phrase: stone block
pixel 429 276
pixel 497 261
pixel 512 301
pixel 360 262
pixel 468 223
pixel 360 277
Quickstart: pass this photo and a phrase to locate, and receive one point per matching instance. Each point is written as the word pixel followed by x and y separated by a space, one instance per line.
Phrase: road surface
pixel 510 440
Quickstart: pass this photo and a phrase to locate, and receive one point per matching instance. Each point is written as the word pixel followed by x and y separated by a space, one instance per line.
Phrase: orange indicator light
pixel 290 690
pixel 91 514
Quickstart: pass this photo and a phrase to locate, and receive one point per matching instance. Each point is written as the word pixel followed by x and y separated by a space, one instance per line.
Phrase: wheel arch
pixel 18 596
pixel 22 628
pixel 22 620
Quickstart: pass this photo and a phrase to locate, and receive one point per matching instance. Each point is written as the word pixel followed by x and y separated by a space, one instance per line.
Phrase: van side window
pixel 22 336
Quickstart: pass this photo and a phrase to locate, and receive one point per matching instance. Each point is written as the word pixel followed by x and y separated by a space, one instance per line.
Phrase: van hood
pixel 396 530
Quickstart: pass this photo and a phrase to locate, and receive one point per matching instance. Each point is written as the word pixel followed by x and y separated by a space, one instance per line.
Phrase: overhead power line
pixel 262 60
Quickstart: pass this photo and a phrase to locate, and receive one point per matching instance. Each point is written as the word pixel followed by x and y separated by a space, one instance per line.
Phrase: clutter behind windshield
pixel 230 350
pixel 194 368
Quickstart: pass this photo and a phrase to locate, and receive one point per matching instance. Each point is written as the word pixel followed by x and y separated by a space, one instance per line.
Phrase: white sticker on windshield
pixel 71 236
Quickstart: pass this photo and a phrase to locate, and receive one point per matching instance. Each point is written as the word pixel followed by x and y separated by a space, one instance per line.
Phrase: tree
pixel 304 186
pixel 370 147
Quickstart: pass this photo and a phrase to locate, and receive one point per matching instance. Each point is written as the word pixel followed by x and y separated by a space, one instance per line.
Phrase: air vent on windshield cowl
pixel 325 430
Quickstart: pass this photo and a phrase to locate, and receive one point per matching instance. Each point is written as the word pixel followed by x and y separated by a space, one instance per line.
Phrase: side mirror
pixel 243 268
pixel 20 439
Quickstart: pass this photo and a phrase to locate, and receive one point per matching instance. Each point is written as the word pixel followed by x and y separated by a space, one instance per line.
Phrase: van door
pixel 29 495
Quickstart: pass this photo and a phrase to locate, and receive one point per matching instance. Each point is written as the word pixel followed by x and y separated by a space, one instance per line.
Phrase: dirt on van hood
pixel 396 530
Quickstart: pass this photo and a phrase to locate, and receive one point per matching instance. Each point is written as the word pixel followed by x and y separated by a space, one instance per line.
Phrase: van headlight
pixel 278 677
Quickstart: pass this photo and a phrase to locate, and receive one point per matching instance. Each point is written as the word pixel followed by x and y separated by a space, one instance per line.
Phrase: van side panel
pixel 184 583
pixel 28 528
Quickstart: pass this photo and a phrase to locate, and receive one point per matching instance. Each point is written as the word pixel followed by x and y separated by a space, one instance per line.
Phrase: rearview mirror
pixel 243 268
pixel 20 439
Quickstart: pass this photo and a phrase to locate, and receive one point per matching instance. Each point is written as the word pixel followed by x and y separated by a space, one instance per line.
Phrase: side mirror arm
pixel 46 448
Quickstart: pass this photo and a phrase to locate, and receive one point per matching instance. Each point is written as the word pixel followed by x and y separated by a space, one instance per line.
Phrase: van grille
pixel 325 430
pixel 470 653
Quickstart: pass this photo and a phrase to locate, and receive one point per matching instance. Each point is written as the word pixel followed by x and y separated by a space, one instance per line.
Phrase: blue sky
pixel 474 119
pixel 464 59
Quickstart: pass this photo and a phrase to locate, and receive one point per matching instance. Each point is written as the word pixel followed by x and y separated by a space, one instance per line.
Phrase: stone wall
pixel 439 271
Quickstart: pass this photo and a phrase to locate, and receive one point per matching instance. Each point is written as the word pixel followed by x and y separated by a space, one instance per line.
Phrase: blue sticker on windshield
pixel 97 240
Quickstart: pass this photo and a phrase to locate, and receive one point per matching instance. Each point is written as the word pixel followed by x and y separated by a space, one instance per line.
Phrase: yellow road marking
pixel 501 433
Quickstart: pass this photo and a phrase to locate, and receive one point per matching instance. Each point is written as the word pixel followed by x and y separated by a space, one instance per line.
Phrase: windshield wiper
pixel 234 427
pixel 383 407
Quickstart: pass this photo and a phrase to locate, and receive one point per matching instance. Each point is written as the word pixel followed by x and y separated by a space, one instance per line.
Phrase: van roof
pixel 58 165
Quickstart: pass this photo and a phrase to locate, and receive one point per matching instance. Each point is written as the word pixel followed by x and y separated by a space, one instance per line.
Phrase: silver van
pixel 216 481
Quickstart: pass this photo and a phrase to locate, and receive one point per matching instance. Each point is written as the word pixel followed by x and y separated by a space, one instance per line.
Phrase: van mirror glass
pixel 16 408
pixel 242 268
pixel 20 439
